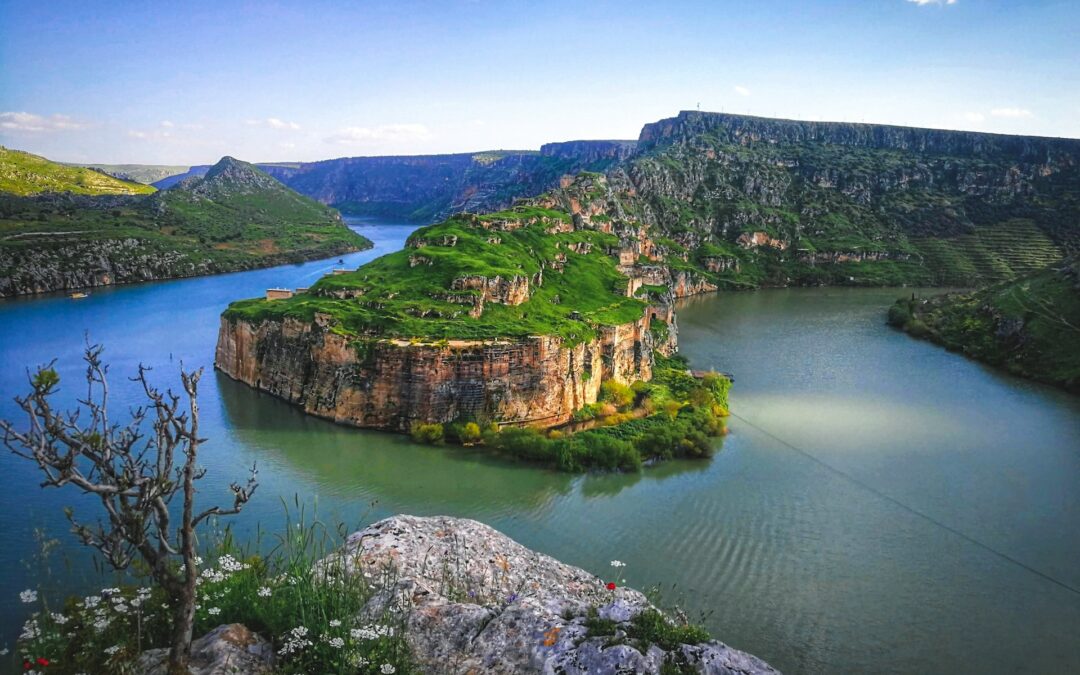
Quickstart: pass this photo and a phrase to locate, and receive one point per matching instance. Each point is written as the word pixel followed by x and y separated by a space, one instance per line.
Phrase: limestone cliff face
pixel 390 384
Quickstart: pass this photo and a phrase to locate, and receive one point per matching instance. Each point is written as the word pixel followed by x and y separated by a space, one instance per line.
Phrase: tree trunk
pixel 183 626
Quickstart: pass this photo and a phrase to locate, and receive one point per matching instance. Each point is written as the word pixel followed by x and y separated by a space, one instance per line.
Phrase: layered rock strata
pixel 389 384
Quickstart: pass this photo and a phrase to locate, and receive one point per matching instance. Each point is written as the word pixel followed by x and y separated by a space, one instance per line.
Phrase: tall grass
pixel 308 603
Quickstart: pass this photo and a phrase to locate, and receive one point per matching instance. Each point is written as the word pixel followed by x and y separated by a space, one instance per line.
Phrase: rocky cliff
pixel 389 384
pixel 762 201
pixel 429 188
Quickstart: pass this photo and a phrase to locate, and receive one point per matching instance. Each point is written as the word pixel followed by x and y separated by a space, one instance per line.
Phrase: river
pixel 881 505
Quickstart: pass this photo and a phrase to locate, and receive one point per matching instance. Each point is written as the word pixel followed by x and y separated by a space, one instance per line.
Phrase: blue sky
pixel 186 82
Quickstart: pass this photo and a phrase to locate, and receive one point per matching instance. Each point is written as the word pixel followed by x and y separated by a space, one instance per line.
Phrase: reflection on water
pixel 809 567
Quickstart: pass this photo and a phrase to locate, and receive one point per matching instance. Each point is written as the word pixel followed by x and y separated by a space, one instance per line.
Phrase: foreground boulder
pixel 229 649
pixel 472 600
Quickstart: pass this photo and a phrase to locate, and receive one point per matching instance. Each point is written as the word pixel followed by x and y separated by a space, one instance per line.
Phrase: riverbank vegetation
pixel 1030 327
pixel 677 414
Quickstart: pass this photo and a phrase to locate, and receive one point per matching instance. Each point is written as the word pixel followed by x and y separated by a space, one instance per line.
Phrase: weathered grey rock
pixel 474 601
pixel 229 649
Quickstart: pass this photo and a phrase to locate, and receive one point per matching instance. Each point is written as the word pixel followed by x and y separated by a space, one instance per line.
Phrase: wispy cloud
pixel 741 90
pixel 1011 112
pixel 29 122
pixel 933 2
pixel 273 123
pixel 974 117
pixel 386 132
pixel 167 124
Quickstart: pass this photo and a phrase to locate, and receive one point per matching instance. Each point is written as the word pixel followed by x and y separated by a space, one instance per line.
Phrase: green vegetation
pixel 648 628
pixel 311 617
pixel 236 217
pixel 428 290
pixel 675 415
pixel 1030 326
pixel 855 215
pixel 24 174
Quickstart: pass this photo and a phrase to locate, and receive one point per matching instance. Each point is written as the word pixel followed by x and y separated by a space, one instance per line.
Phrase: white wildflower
pixel 4 651
pixel 112 650
pixel 59 619
pixel 265 592
pixel 334 623
pixel 28 596
pixel 337 643
pixel 92 601
pixel 618 563
pixel 214 611
pixel 387 669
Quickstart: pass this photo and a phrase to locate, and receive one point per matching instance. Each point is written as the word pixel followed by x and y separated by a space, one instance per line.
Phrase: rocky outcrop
pixel 389 384
pixel 503 608
pixel 227 650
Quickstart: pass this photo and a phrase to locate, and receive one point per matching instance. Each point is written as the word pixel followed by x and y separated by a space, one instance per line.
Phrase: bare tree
pixel 135 470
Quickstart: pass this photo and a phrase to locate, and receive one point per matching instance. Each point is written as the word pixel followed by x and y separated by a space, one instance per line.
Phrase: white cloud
pixel 1011 112
pixel 167 124
pixel 974 116
pixel 933 2
pixel 741 90
pixel 273 123
pixel 387 132
pixel 24 121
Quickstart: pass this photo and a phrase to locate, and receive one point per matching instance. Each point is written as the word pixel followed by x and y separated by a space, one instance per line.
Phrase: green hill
pixel 236 217
pixel 1030 326
pixel 24 174
pixel 139 173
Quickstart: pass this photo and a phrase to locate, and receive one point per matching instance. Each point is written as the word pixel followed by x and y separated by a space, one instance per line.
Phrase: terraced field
pixel 1001 252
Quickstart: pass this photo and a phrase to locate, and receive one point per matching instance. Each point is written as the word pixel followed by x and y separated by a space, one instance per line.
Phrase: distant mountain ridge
pixel 138 173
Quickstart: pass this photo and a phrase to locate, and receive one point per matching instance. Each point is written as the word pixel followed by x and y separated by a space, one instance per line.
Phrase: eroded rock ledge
pixel 526 612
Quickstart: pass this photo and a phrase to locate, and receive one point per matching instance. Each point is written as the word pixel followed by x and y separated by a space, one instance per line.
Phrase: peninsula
pixel 64 227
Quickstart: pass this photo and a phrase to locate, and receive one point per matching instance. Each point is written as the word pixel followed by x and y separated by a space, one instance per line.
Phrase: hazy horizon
pixel 283 82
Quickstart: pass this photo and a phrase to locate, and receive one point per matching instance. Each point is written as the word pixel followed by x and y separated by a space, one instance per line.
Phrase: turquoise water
pixel 880 506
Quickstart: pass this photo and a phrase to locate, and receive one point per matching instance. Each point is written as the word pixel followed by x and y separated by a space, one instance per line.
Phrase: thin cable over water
pixel 910 509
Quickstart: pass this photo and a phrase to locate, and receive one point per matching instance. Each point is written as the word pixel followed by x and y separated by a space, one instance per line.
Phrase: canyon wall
pixel 389 384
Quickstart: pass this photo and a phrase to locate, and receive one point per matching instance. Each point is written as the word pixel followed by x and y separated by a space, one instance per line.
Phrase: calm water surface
pixel 880 506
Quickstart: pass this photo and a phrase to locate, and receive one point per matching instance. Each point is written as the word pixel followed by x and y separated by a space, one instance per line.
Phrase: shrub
pixel 470 433
pixel 427 433
pixel 524 442
pixel 617 393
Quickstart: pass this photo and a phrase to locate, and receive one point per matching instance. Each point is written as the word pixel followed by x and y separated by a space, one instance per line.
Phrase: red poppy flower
pixel 42 661
pixel 27 665
pixel 611 585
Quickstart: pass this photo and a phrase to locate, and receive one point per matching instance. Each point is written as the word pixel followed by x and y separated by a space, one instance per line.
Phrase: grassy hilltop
pixel 412 293
pixel 24 174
